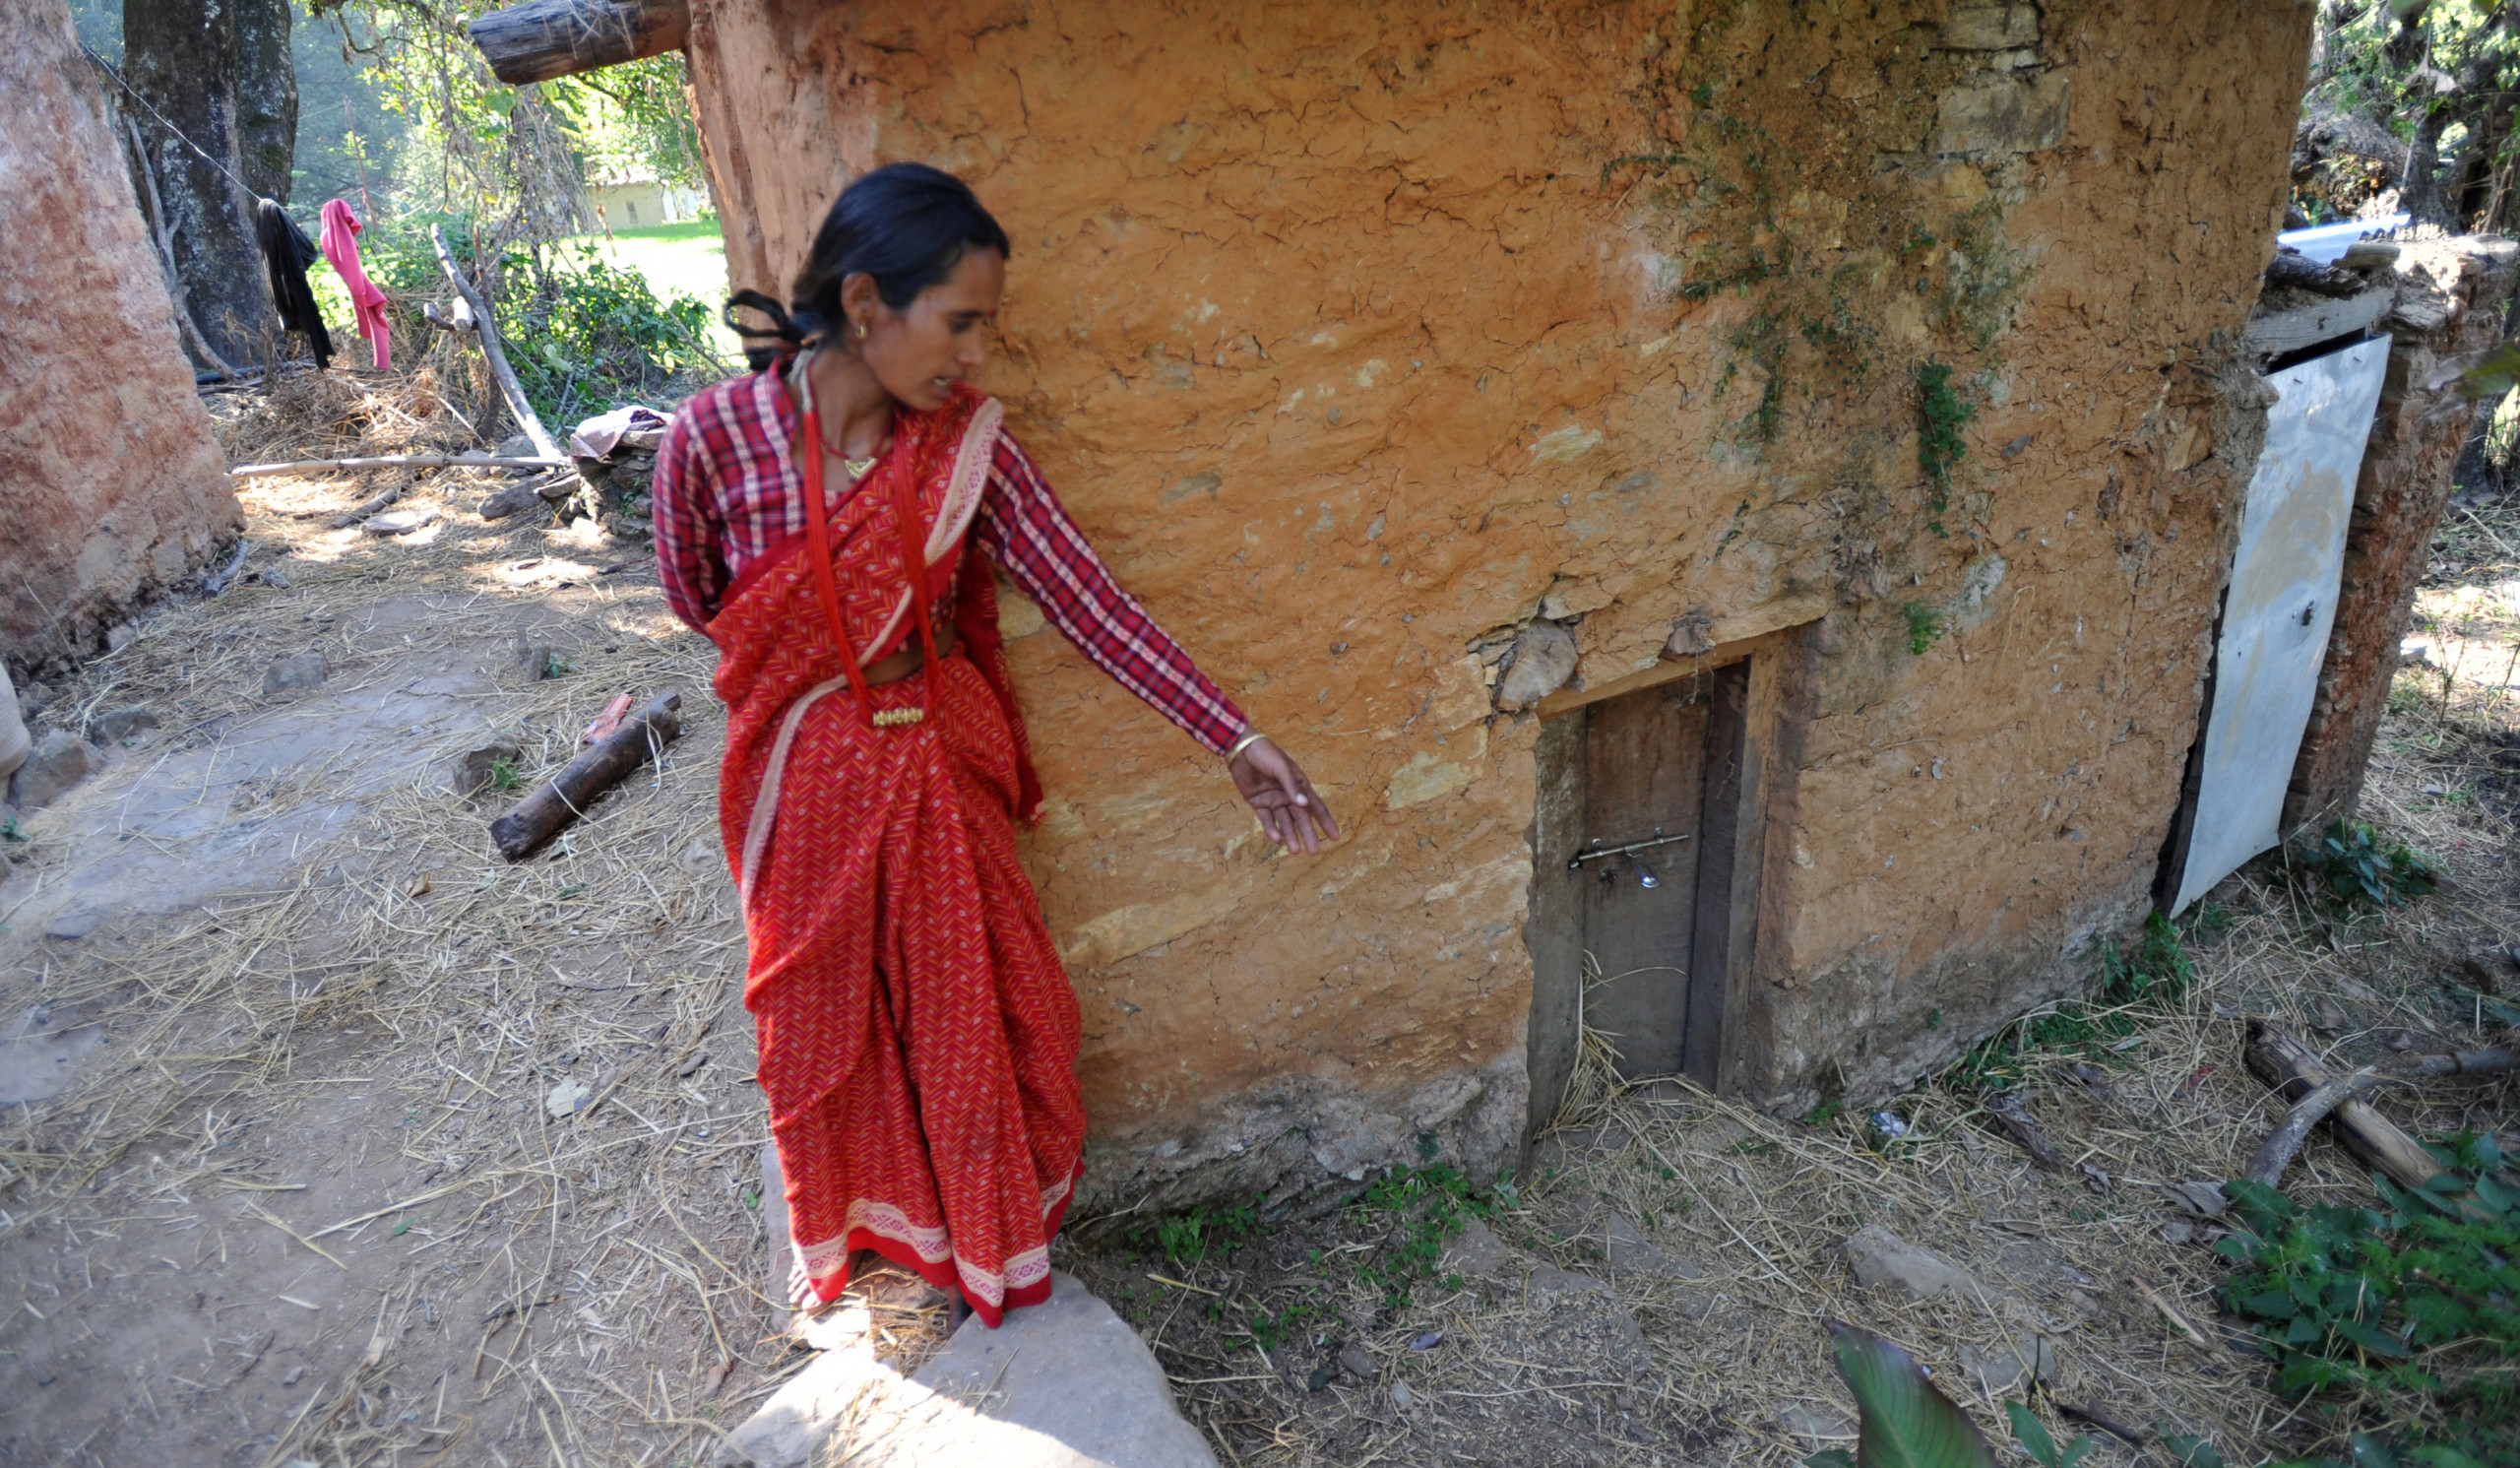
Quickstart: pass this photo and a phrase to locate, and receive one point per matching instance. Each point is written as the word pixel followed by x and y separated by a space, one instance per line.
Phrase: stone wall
pixel 1359 338
pixel 111 486
pixel 2450 298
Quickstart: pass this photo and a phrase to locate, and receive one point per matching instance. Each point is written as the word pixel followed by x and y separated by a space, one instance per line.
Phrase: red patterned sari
pixel 918 1032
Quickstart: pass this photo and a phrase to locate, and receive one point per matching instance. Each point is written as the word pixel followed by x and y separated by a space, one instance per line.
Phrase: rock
pixel 399 522
pixel 118 725
pixel 1477 1251
pixel 40 1051
pixel 469 773
pixel 1063 1384
pixel 2204 1199
pixel 1882 1260
pixel 58 761
pixel 289 674
pixel 1990 27
pixel 514 499
pixel 121 635
pixel 1548 1279
pixel 14 742
pixel 1691 635
pixel 70 927
pixel 1402 1397
pixel 519 446
pixel 569 1098
pixel 536 661
pixel 1997 1372
pixel 1818 1425
pixel 2003 115
pixel 1630 1253
pixel 1353 1360
pixel 1542 660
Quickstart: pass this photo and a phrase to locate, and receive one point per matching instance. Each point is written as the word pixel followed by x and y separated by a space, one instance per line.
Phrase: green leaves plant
pixel 1908 1423
pixel 2034 1436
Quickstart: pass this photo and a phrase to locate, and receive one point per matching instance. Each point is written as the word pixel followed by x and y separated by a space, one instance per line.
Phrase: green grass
pixel 686 259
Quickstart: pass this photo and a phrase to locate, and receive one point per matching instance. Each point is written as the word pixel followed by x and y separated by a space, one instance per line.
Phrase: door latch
pixel 1644 873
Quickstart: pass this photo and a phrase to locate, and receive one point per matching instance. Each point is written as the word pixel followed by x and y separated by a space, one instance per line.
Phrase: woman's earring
pixel 861 330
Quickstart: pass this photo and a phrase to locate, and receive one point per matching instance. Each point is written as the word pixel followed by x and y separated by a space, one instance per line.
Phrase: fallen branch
pixel 2493 1059
pixel 2306 273
pixel 394 461
pixel 2276 1153
pixel 2285 1065
pixel 526 418
pixel 217 582
pixel 564 798
pixel 2005 1107
pixel 368 506
pixel 2168 1311
pixel 2099 1417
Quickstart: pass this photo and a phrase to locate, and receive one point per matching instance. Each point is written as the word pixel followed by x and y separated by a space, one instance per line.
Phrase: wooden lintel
pixel 1736 638
pixel 546 39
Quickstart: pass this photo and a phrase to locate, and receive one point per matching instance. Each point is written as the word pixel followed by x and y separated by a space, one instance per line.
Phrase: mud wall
pixel 110 482
pixel 2451 295
pixel 1359 338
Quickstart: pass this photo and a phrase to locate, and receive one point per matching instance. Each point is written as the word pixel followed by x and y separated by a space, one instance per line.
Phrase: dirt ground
pixel 303 1194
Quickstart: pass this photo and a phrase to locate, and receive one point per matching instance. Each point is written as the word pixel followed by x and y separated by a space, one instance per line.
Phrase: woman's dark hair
pixel 907 224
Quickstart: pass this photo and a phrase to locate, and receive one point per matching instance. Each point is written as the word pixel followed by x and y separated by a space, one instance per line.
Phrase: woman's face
pixel 941 338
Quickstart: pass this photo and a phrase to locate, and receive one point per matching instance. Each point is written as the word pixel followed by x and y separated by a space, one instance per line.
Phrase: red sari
pixel 918 1032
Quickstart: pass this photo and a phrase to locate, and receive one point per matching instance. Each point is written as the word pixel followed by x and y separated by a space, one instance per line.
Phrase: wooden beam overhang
pixel 546 39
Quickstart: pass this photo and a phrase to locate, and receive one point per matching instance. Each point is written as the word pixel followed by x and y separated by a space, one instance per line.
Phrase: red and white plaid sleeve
pixel 1023 526
pixel 690 559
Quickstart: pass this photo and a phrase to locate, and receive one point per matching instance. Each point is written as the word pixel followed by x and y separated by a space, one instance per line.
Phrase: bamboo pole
pixel 394 461
pixel 514 391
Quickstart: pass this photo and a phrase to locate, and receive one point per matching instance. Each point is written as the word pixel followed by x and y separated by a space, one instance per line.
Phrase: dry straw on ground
pixel 331 1086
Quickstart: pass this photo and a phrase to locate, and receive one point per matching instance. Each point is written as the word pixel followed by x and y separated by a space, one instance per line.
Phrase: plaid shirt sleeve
pixel 689 522
pixel 1023 526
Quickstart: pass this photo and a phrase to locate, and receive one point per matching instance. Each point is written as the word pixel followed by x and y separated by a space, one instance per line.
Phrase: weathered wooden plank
pixel 2279 332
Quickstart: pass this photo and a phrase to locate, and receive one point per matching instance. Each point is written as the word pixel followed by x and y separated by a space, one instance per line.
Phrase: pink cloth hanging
pixel 341 246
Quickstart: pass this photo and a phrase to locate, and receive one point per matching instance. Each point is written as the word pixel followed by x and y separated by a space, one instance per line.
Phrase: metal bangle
pixel 1249 739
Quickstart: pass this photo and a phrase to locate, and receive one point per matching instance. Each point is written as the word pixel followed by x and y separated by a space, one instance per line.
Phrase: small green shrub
pixel 504 775
pixel 2350 864
pixel 1940 415
pixel 1925 627
pixel 1204 1232
pixel 1428 1206
pixel 2411 1312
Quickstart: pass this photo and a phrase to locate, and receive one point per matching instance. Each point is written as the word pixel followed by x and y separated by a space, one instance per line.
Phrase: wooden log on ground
pixel 393 460
pixel 2287 1065
pixel 2276 1153
pixel 487 327
pixel 564 798
pixel 2006 1107
pixel 547 38
pixel 2493 1059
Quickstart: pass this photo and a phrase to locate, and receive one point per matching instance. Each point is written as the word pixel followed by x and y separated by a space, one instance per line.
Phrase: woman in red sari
pixel 828 523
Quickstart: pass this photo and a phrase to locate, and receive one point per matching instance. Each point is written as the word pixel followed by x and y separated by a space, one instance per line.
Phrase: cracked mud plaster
pixel 1352 334
pixel 112 487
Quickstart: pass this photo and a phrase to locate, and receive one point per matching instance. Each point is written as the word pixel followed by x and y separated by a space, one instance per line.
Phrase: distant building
pixel 632 200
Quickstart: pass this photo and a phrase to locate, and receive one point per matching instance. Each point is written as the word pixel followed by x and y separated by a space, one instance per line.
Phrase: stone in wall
pixel 112 484
pixel 2450 300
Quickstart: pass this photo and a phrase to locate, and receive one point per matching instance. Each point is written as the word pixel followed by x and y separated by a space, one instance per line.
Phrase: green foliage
pixel 1907 1422
pixel 504 775
pixel 1925 627
pixel 9 830
pixel 1204 1232
pixel 1940 415
pixel 1426 1207
pixel 2151 978
pixel 2351 864
pixel 2411 1311
pixel 2035 1440
pixel 1819 1116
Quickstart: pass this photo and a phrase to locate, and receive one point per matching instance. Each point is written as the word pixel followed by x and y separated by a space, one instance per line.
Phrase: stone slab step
pixel 1065 1384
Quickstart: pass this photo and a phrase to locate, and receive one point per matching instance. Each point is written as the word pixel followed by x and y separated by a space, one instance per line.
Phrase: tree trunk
pixel 180 55
pixel 266 97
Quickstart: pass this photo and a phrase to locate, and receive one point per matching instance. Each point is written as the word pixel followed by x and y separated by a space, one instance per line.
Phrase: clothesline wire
pixel 108 67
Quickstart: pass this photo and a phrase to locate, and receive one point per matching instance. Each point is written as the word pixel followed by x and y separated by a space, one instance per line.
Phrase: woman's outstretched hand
pixel 1284 800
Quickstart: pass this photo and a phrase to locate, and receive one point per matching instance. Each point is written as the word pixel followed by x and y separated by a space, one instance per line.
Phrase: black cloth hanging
pixel 287 253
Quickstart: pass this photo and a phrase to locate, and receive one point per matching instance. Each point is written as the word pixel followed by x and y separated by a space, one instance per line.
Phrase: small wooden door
pixel 1660 783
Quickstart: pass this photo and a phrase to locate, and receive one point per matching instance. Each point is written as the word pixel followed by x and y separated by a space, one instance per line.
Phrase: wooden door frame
pixel 1554 934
